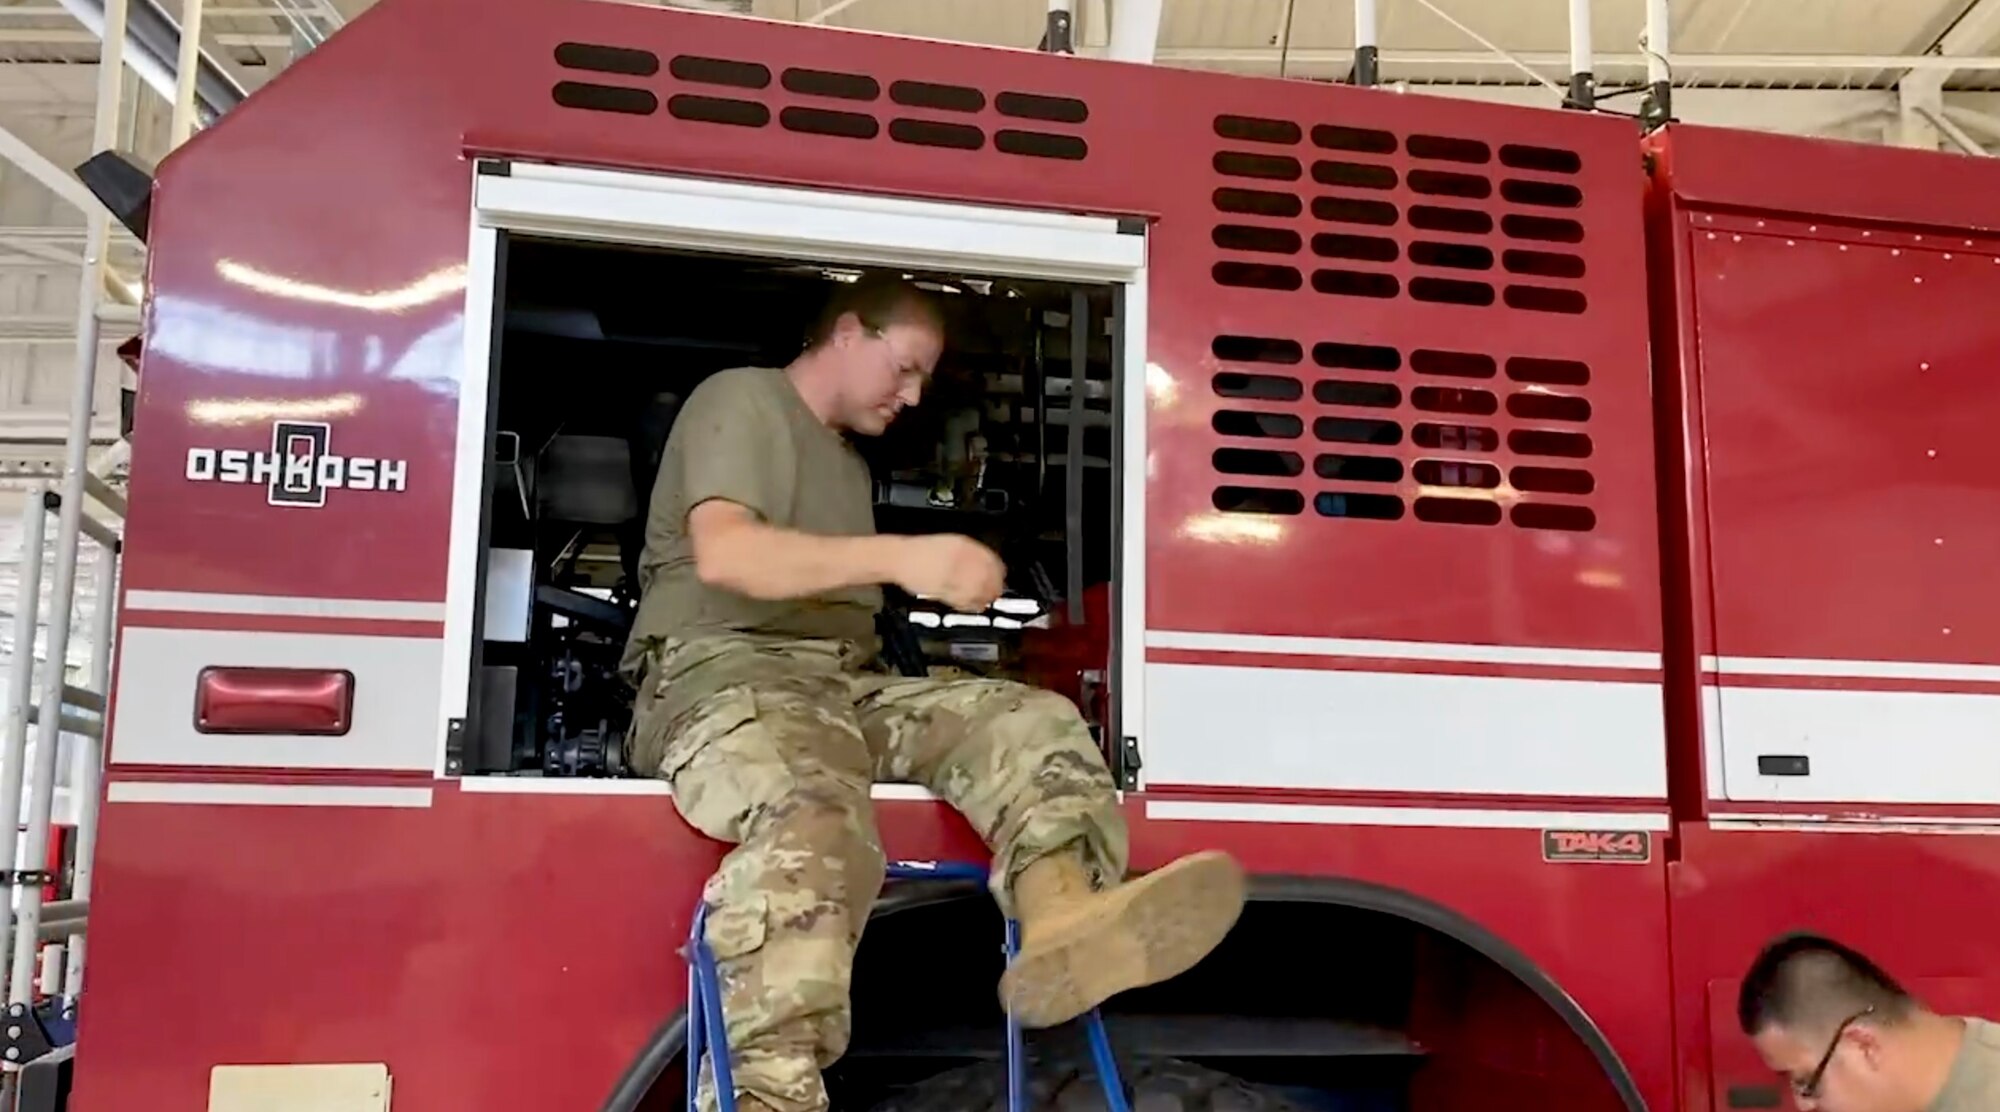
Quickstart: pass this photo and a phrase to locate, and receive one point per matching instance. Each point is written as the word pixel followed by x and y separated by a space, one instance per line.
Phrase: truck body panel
pixel 1444 568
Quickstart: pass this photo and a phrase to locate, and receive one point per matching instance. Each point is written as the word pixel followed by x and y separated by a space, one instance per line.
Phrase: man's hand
pixel 955 570
pixel 736 551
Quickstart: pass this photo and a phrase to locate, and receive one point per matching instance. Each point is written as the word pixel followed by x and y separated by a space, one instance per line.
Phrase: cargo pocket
pixel 724 766
pixel 739 928
pixel 682 737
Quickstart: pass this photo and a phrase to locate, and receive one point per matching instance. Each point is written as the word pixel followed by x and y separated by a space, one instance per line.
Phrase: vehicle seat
pixel 586 480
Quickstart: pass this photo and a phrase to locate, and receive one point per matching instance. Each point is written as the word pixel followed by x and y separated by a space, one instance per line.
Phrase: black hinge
pixel 454 747
pixel 1059 37
pixel 1128 763
pixel 26 1038
pixel 27 878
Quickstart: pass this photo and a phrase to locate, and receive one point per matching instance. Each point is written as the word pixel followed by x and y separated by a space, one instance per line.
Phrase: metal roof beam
pixel 152 40
pixel 36 243
pixel 16 150
pixel 1321 60
pixel 1982 122
pixel 1954 133
pixel 1974 30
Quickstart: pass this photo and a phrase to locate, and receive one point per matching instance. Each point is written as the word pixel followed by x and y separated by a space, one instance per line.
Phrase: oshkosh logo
pixel 300 467
pixel 1628 846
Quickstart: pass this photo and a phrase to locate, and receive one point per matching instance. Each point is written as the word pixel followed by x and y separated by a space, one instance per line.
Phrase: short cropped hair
pixel 1810 982
pixel 878 301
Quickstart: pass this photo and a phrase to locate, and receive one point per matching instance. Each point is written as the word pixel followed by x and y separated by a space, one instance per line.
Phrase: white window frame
pixel 780 222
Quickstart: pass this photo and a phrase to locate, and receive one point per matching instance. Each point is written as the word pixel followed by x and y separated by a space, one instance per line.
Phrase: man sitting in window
pixel 761 702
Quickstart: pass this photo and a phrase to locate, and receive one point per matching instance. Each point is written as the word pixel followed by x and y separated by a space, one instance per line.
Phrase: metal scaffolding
pixel 46 945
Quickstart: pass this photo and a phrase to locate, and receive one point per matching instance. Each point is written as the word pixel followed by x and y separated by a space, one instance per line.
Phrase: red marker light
pixel 273 701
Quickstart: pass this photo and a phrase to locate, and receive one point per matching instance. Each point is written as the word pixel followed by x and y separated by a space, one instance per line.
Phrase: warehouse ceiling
pixel 1755 43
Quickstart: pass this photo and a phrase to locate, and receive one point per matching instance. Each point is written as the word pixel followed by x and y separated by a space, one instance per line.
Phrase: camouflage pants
pixel 773 746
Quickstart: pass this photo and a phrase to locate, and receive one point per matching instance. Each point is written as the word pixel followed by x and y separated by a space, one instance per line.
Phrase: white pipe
pixel 111 460
pixel 13 760
pixel 186 69
pixel 1367 57
pixel 101 490
pixel 1982 122
pixel 1659 42
pixel 1579 37
pixel 1953 132
pixel 1135 30
pixel 75 724
pixel 69 524
pixel 88 768
pixel 52 957
pixel 828 12
pixel 97 530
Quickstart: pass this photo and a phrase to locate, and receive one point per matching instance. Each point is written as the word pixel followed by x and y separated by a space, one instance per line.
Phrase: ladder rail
pixel 20 683
pixel 87 761
pixel 708 1035
pixel 70 529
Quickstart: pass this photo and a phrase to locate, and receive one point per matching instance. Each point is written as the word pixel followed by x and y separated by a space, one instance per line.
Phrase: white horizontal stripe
pixel 1849 669
pixel 543 785
pixel 285 606
pixel 395 694
pixel 1223 725
pixel 1881 747
pixel 266 795
pixel 1398 650
pixel 808 224
pixel 1817 820
pixel 685 190
pixel 1319 814
pixel 560 785
pixel 1884 825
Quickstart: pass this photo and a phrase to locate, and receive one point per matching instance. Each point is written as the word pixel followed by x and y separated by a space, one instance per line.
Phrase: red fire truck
pixel 1548 556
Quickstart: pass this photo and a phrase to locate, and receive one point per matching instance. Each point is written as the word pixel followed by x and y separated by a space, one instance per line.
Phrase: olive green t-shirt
pixel 746 436
pixel 1974 1084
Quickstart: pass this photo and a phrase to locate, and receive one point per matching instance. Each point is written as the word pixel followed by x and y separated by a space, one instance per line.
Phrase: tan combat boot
pixel 1080 947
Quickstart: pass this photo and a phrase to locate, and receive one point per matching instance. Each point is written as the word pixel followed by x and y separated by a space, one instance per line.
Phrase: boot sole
pixel 1151 929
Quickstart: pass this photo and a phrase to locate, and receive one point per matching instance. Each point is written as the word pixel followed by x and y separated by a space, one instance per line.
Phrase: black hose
pixel 660 1051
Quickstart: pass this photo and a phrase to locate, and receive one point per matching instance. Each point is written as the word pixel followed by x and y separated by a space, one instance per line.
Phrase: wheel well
pixel 1450 924
pixel 1328 986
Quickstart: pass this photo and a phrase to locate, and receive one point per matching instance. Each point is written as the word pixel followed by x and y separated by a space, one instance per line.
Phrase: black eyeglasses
pixel 1809 1087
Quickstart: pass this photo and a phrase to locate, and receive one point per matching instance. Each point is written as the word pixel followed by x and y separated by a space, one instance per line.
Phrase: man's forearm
pixel 766 562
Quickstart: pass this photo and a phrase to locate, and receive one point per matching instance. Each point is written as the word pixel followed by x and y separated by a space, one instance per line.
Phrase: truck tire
pixel 1070 1085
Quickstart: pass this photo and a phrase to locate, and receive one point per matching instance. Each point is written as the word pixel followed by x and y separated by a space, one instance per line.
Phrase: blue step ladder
pixel 707 1031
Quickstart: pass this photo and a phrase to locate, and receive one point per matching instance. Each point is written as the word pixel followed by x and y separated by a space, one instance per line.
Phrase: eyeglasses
pixel 1809 1087
pixel 906 370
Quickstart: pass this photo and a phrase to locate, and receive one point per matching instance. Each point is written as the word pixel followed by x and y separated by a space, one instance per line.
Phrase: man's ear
pixel 1868 1041
pixel 847 330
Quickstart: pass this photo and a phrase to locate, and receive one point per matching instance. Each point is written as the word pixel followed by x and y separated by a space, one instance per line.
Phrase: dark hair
pixel 878 301
pixel 1808 981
